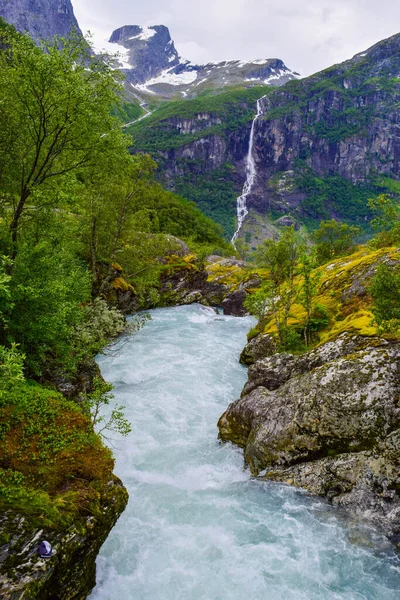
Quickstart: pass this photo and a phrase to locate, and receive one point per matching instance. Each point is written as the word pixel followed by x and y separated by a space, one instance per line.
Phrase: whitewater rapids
pixel 197 526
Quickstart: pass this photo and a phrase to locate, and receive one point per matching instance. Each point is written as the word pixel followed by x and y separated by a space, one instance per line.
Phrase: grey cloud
pixel 308 36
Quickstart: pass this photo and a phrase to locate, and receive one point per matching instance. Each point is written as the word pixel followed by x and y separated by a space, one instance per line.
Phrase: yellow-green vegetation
pixel 227 274
pixel 53 467
pixel 343 291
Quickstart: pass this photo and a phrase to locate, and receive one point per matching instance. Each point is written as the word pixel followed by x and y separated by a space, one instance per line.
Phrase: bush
pixel 385 290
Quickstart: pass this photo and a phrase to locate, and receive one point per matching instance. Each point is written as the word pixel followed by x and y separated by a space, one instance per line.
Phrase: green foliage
pixel 48 286
pixel 387 219
pixel 214 193
pixel 99 324
pixel 288 297
pixel 55 114
pixel 280 258
pixel 335 195
pixel 52 464
pixel 115 421
pixel 158 132
pixel 333 239
pixel 385 290
pixel 128 112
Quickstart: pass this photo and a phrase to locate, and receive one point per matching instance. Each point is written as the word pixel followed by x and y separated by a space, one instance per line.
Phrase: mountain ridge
pixel 322 146
pixel 152 66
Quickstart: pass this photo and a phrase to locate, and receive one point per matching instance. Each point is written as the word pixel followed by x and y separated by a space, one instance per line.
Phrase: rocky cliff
pixel 41 19
pixel 322 146
pixel 71 572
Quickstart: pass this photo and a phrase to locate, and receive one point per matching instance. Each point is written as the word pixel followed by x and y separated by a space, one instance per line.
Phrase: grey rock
pixel 233 304
pixel 150 50
pixel 41 19
pixel 259 347
pixel 329 422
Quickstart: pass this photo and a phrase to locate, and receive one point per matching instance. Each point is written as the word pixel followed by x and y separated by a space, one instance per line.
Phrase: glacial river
pixel 197 526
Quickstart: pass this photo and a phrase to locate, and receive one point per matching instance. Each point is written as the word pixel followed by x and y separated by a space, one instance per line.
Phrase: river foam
pixel 197 526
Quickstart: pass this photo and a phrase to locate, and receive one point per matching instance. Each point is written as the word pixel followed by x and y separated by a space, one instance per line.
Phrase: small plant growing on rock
pixel 112 422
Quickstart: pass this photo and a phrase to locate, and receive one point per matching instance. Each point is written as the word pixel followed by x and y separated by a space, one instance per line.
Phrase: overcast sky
pixel 308 35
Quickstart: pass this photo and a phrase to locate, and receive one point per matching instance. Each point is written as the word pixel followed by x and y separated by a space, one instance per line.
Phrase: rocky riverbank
pixel 328 420
pixel 71 571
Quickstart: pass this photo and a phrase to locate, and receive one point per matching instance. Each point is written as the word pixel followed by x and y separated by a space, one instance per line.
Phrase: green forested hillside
pixel 323 145
pixel 75 207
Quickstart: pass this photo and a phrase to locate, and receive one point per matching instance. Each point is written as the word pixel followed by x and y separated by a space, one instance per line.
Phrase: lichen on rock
pixel 327 421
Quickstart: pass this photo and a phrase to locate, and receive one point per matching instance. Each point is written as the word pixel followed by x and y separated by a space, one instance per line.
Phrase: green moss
pixel 53 466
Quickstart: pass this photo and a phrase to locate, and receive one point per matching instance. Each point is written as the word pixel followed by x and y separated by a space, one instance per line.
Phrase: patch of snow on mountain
pixel 169 78
pixel 120 53
pixel 146 34
pixel 274 76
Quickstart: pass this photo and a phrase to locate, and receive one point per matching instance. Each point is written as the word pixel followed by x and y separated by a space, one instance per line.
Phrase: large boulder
pixel 328 421
pixel 259 347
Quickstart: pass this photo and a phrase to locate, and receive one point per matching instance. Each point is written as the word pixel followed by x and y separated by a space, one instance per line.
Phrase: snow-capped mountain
pixel 152 66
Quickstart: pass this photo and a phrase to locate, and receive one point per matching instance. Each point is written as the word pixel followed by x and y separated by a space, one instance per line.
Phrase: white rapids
pixel 251 173
pixel 197 526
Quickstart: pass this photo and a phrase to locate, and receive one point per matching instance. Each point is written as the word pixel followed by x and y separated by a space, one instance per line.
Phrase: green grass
pixel 234 107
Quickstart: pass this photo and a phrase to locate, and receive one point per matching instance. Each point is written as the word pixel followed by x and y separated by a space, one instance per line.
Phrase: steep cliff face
pixel 41 19
pixel 201 146
pixel 322 146
pixel 342 122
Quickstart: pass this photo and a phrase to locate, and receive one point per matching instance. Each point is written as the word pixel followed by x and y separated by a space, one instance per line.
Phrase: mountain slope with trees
pixel 323 146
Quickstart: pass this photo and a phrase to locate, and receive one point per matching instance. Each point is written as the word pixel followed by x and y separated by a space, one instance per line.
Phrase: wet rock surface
pixel 70 574
pixel 42 19
pixel 327 421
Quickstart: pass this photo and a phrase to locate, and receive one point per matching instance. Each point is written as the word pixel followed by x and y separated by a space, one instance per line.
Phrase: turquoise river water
pixel 197 526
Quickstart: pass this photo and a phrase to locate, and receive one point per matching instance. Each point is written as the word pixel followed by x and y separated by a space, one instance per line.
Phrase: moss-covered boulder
pixel 70 574
pixel 327 421
pixel 56 484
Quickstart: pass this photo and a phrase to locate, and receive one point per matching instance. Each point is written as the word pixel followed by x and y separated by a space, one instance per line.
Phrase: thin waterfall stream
pixel 251 173
pixel 197 526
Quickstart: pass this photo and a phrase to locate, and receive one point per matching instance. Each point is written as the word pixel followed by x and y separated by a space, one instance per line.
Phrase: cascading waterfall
pixel 251 173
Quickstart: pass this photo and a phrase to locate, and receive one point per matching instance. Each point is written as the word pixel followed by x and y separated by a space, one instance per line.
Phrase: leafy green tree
pixel 55 121
pixel 280 258
pixel 386 221
pixel 106 422
pixel 385 290
pixel 48 288
pixel 333 239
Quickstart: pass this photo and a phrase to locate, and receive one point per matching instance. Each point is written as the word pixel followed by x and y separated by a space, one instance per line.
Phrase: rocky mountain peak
pixel 146 51
pixel 41 19
pixel 152 65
